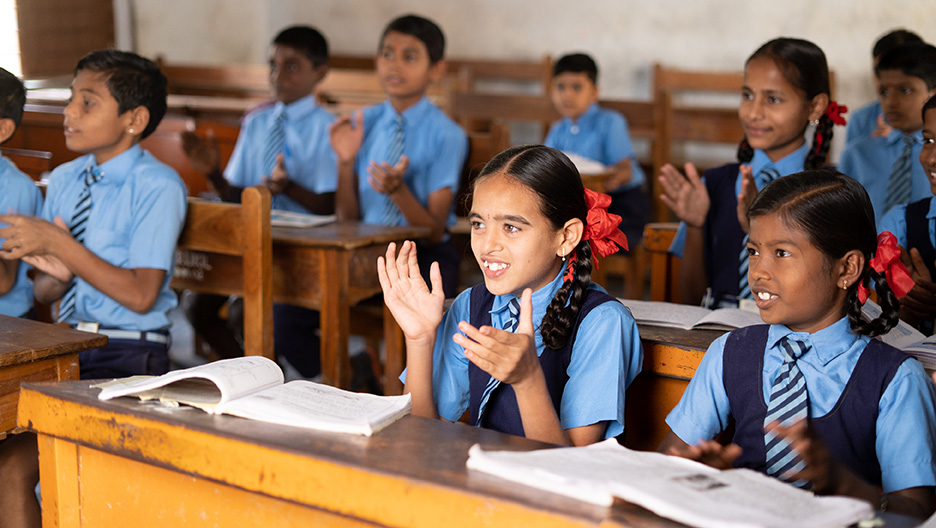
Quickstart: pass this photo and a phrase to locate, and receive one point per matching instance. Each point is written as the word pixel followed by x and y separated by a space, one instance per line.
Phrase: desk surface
pixel 411 474
pixel 345 235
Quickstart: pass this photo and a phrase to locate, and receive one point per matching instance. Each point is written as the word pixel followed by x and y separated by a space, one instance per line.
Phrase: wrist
pixel 532 382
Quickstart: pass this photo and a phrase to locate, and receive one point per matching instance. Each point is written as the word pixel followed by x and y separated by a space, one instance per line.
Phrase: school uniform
pixel 884 432
pixel 601 134
pixel 587 382
pixel 723 234
pixel 436 148
pixel 137 213
pixel 914 226
pixel 18 195
pixel 863 122
pixel 870 160
pixel 307 154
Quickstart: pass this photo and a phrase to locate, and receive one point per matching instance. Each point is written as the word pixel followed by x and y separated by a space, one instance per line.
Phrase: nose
pixel 928 156
pixel 484 241
pixel 757 269
pixel 753 109
pixel 71 108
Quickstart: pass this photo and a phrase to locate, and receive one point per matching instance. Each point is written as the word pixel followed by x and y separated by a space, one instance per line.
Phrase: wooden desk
pixel 330 269
pixel 32 351
pixel 664 266
pixel 122 463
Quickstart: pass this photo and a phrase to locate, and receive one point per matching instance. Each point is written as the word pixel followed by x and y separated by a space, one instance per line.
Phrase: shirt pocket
pixel 110 245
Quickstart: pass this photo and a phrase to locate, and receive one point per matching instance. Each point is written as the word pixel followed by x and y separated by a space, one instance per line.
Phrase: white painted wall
pixel 625 36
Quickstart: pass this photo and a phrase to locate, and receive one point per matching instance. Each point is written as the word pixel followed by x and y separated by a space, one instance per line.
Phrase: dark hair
pixel 929 105
pixel 555 180
pixel 306 40
pixel 836 214
pixel 12 97
pixel 577 63
pixel 804 66
pixel 423 29
pixel 915 59
pixel 133 80
pixel 891 40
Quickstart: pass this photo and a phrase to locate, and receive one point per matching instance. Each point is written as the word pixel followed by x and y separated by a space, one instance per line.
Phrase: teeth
pixel 495 266
pixel 763 296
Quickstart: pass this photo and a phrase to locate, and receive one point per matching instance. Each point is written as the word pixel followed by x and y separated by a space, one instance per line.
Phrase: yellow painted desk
pixel 329 268
pixel 122 463
pixel 33 351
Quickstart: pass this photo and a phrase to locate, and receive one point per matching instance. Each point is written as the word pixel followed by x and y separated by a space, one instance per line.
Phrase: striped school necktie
pixel 391 214
pixel 765 176
pixel 276 142
pixel 789 403
pixel 509 326
pixel 78 225
pixel 898 187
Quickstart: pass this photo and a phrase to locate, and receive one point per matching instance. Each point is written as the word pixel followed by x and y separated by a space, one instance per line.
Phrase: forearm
pixel 227 192
pixel 346 199
pixel 539 418
pixel 321 204
pixel 8 272
pixel 916 502
pixel 419 377
pixel 418 215
pixel 693 279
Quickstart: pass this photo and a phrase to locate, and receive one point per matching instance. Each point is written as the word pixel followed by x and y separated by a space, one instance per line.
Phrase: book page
pixel 307 404
pixel 279 218
pixel 205 386
pixel 901 336
pixel 671 487
pixel 925 352
pixel 585 165
pixel 728 319
pixel 665 314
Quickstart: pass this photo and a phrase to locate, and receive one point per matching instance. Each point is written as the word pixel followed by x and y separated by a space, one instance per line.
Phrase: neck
pixel 402 104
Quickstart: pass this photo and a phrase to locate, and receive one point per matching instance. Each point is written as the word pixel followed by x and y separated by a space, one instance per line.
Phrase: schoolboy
pixel 399 162
pixel 885 165
pixel 106 243
pixel 19 194
pixel 285 146
pixel 869 119
pixel 599 134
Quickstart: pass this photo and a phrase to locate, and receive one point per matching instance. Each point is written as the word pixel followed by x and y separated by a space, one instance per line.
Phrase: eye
pixel 773 99
pixel 782 253
pixel 87 102
pixel 387 55
pixel 883 92
pixel 475 224
pixel 510 228
pixel 292 68
pixel 410 57
pixel 906 91
pixel 928 141
pixel 747 95
pixel 752 252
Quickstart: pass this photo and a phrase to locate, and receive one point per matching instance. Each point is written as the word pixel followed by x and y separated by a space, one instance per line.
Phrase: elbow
pixel 143 303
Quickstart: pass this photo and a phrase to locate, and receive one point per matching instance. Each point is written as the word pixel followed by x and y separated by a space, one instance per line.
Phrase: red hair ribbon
pixel 886 260
pixel 835 112
pixel 601 230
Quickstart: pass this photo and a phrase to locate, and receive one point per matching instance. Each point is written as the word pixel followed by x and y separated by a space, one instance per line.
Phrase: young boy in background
pixel 284 146
pixel 18 194
pixel 885 165
pixel 400 162
pixel 601 135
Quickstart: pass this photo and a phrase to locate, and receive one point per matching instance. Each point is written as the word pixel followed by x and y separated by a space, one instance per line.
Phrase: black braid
pixel 887 299
pixel 557 324
pixel 745 151
pixel 816 159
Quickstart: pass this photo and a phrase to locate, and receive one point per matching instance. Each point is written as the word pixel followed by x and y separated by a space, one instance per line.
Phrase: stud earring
pixel 130 130
pixel 815 122
pixel 844 284
pixel 563 258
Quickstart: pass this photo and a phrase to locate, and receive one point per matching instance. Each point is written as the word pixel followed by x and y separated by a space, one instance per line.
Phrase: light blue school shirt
pixel 863 122
pixel 307 154
pixel 906 424
pixel 18 195
pixel 790 164
pixel 599 134
pixel 895 221
pixel 869 160
pixel 606 357
pixel 436 148
pixel 137 213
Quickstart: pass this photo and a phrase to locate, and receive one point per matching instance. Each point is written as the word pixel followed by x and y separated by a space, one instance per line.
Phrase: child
pixel 811 246
pixel 400 162
pixel 786 87
pixel 869 120
pixel 914 226
pixel 599 134
pixel 19 195
pixel 106 245
pixel 531 238
pixel 884 165
pixel 299 168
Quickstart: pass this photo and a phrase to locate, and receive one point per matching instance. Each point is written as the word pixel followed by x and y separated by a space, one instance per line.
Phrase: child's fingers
pixel 693 175
pixel 389 268
pixel 435 277
pixel 402 260
pixel 412 262
pixel 525 325
pixel 382 277
pixel 484 340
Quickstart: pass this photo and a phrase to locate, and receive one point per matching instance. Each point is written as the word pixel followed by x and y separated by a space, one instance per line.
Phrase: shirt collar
pixel 541 299
pixel 896 136
pixel 116 169
pixel 828 343
pixel 411 116
pixel 793 162
pixel 297 109
pixel 589 113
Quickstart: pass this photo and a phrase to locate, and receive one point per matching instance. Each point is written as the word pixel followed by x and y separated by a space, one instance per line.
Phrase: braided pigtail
pixel 888 301
pixel 822 140
pixel 745 151
pixel 562 312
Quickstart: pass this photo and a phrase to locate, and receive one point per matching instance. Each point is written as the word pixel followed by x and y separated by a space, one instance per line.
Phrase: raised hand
pixel 882 129
pixel 920 303
pixel 620 176
pixel 51 265
pixel 746 198
pixel 346 135
pixel 387 179
pixel 416 309
pixel 203 154
pixel 685 195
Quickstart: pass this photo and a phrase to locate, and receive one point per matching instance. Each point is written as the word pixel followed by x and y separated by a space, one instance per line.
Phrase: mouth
pixel 764 298
pixel 494 269
pixel 69 130
pixel 893 117
pixel 756 131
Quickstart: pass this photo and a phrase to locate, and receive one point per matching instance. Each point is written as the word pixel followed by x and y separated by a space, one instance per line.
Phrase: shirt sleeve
pixel 703 411
pixel 550 140
pixel 895 221
pixel 157 221
pixel 450 154
pixel 906 429
pixel 678 245
pixel 236 172
pixel 607 355
pixel 618 147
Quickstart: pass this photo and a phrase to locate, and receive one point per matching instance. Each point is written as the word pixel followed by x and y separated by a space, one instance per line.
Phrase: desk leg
pixel 58 473
pixel 335 319
pixel 396 354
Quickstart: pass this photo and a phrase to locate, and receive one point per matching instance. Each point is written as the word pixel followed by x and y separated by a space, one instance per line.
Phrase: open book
pixel 672 487
pixel 280 218
pixel 905 337
pixel 587 166
pixel 252 387
pixel 690 317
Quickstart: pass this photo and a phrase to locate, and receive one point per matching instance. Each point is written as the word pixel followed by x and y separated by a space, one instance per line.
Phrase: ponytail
pixel 560 317
pixel 887 299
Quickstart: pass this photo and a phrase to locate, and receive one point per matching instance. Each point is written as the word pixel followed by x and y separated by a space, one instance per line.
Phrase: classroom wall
pixel 625 36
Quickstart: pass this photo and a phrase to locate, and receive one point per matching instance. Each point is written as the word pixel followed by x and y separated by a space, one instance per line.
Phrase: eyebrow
pixel 768 92
pixel 514 219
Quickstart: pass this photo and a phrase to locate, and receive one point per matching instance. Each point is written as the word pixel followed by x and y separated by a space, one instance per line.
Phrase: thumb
pixel 279 160
pixel 60 223
pixel 525 326
pixel 403 164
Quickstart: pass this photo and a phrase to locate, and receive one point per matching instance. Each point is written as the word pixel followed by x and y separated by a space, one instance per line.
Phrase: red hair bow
pixel 886 260
pixel 835 112
pixel 601 229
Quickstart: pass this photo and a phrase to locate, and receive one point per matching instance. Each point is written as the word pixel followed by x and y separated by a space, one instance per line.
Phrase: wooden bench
pixel 33 163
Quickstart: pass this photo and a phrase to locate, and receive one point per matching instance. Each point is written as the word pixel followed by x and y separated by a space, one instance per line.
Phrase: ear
pixel 319 73
pixel 139 119
pixel 7 127
pixel 850 267
pixel 818 106
pixel 570 236
pixel 437 71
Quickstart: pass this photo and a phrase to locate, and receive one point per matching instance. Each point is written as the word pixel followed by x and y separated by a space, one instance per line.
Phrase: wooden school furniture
pixel 242 231
pixel 123 463
pixel 664 266
pixel 33 163
pixel 32 351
